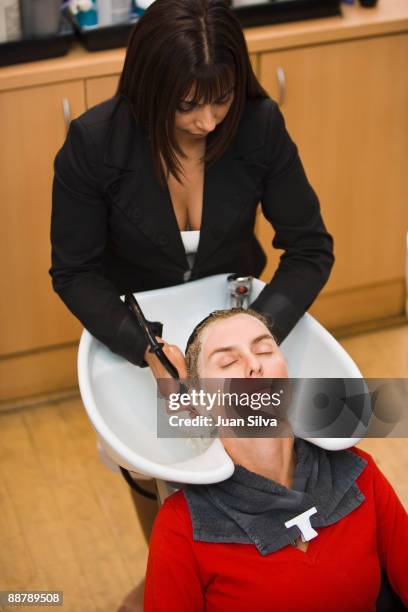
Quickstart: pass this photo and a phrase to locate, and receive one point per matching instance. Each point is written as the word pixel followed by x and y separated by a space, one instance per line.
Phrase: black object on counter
pixel 368 3
pixel 280 11
pixel 36 48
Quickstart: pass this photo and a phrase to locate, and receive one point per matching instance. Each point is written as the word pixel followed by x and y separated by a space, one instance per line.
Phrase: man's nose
pixel 254 367
pixel 206 120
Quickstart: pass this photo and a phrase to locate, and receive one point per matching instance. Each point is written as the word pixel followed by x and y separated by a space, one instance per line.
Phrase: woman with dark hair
pixel 191 142
pixel 160 184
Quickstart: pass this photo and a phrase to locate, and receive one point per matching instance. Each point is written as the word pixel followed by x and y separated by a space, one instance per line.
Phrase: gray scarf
pixel 250 509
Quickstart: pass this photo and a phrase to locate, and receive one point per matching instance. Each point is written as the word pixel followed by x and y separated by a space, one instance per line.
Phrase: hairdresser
pixel 179 159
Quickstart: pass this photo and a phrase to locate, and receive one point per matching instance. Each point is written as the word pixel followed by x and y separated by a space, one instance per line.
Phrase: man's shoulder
pixel 174 515
pixel 362 453
pixel 176 502
pixel 371 469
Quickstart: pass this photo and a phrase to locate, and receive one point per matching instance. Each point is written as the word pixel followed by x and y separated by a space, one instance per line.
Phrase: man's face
pixel 240 346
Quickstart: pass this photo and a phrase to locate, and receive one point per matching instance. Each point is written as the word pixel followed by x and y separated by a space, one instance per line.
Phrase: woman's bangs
pixel 211 84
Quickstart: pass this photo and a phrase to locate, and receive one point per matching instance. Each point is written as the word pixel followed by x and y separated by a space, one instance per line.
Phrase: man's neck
pixel 272 458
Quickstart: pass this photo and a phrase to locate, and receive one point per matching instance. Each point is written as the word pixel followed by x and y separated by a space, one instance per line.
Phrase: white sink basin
pixel 120 398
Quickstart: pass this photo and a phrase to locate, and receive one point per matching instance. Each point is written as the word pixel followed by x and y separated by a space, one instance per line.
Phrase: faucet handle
pixel 239 290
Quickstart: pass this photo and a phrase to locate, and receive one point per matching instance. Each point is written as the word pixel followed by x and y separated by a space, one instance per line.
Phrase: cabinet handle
pixel 281 77
pixel 66 109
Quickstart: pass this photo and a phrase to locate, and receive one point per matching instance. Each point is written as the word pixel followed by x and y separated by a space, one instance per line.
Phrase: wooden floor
pixel 67 523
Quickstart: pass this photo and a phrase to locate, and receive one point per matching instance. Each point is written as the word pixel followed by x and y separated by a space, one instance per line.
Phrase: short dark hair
pixel 178 45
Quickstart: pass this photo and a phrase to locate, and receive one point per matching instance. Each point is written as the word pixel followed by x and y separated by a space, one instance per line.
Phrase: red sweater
pixel 339 572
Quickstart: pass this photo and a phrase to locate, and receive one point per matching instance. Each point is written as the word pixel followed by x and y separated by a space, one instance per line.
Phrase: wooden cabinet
pixel 32 127
pixel 345 105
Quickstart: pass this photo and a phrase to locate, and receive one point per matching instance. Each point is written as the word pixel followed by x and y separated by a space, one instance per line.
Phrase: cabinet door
pixel 345 106
pixel 32 127
pixel 100 89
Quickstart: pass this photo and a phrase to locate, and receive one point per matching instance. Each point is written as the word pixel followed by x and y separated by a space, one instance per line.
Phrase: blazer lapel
pixel 230 184
pixel 220 207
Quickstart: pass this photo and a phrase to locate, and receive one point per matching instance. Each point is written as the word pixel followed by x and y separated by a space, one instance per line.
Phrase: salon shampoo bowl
pixel 121 399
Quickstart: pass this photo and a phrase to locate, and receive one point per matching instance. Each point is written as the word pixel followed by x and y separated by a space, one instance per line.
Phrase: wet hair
pixel 183 46
pixel 194 345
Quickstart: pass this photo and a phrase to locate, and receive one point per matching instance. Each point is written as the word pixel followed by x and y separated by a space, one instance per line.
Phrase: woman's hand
pixel 173 353
pixel 176 356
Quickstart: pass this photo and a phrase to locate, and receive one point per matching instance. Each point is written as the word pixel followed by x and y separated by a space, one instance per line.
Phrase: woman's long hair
pixel 183 46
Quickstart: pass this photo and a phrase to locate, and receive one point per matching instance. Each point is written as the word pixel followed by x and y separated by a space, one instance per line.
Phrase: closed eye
pixel 186 107
pixel 224 99
pixel 224 367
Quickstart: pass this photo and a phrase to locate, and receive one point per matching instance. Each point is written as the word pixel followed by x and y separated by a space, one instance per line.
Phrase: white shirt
pixel 190 240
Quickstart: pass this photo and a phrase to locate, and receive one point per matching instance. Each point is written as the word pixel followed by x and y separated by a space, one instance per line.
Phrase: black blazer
pixel 114 229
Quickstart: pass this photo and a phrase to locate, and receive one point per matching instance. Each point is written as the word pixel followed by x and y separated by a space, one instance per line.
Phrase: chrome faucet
pixel 239 290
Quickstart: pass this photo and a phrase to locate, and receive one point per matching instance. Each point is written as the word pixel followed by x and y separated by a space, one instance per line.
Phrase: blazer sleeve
pixel 292 207
pixel 79 230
